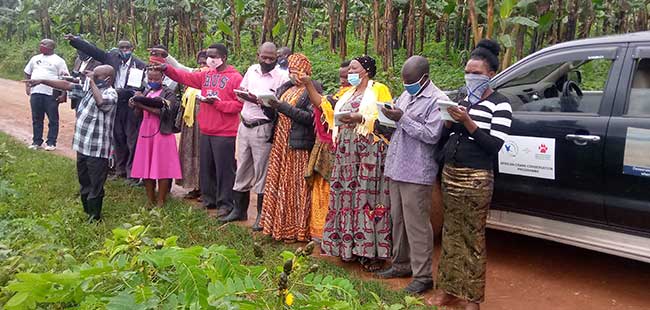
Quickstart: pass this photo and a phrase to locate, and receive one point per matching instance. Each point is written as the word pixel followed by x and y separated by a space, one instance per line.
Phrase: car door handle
pixel 582 139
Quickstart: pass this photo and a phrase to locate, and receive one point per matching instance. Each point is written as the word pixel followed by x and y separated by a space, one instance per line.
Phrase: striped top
pixel 478 150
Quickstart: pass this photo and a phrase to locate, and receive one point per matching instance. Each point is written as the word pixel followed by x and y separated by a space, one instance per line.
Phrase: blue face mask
pixel 414 88
pixel 476 86
pixel 155 85
pixel 354 79
pixel 125 55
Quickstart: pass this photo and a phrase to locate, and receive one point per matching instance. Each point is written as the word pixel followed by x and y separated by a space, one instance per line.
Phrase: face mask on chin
pixel 125 55
pixel 266 67
pixel 214 63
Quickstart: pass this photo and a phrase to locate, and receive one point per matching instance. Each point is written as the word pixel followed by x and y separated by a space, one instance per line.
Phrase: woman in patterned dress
pixel 358 224
pixel 286 206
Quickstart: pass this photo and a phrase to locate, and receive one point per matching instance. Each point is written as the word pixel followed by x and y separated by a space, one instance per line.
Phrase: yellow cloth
pixel 375 92
pixel 326 106
pixel 189 104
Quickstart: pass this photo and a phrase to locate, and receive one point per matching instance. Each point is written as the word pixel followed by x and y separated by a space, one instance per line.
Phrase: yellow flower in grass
pixel 288 299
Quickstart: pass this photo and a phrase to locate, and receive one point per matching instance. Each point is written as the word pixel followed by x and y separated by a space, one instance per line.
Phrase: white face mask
pixel 214 63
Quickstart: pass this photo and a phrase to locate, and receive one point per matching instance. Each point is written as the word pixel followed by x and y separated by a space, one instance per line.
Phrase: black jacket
pixel 112 59
pixel 168 112
pixel 302 134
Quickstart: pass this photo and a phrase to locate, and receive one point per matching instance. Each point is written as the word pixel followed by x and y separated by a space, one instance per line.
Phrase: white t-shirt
pixel 45 67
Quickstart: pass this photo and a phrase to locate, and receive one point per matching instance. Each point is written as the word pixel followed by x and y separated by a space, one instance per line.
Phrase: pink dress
pixel 156 155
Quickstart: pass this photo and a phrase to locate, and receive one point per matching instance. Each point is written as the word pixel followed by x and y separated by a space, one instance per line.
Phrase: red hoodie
pixel 221 118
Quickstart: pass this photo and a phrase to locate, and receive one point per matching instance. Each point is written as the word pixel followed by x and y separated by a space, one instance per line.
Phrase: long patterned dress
pixel 358 221
pixel 286 206
pixel 189 149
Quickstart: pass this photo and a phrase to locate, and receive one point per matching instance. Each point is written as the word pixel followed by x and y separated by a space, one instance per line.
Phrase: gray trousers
pixel 125 137
pixel 412 233
pixel 217 170
pixel 253 148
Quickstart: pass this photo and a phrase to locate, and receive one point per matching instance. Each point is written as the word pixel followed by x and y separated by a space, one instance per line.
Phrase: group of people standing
pixel 323 167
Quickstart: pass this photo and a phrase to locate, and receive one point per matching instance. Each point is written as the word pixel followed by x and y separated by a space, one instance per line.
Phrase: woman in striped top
pixel 482 124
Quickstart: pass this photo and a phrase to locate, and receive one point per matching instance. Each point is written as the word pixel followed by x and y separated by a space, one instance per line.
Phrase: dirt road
pixel 523 273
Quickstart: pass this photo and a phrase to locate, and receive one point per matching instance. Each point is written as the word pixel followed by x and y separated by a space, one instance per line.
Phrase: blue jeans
pixel 44 105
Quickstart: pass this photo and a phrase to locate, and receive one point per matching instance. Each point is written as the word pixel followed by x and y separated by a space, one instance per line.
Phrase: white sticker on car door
pixel 528 156
pixel 637 147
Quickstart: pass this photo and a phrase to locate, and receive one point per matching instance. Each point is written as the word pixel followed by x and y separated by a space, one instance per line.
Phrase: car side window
pixel 572 86
pixel 639 99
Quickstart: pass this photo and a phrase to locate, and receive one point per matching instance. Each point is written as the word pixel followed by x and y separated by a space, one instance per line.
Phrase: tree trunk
pixel 401 38
pixel 507 57
pixel 642 19
pixel 167 32
pixel 387 61
pixel 270 11
pixel 333 25
pixel 343 26
pixel 100 19
pixel 296 24
pixel 572 20
pixel 458 23
pixel 46 23
pixel 490 19
pixel 422 23
pixel 474 20
pixel 366 38
pixel 410 30
pixel 377 27
pixel 234 19
pixel 587 19
pixel 134 26
pixel 519 44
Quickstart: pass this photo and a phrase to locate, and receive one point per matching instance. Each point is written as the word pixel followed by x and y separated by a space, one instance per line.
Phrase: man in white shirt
pixel 255 133
pixel 44 100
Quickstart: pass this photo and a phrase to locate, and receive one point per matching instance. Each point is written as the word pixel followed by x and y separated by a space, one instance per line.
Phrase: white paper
pixel 383 119
pixel 528 156
pixel 135 78
pixel 637 146
pixel 338 115
pixel 443 105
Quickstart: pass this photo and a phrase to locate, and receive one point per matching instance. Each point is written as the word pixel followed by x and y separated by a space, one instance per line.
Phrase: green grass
pixel 43 228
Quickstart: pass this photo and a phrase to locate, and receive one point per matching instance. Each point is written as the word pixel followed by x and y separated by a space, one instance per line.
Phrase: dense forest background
pixel 327 31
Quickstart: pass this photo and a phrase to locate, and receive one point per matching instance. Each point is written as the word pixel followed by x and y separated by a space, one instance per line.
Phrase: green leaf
pixel 524 3
pixel 523 21
pixel 450 7
pixel 506 40
pixel 124 301
pixel 277 28
pixel 223 27
pixel 194 283
pixel 239 7
pixel 22 300
pixel 546 21
pixel 506 8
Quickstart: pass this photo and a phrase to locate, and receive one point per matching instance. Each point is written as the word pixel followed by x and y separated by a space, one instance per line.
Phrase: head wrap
pixel 299 63
pixel 368 63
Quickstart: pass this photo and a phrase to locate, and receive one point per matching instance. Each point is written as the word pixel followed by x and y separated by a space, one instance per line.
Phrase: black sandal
pixel 371 264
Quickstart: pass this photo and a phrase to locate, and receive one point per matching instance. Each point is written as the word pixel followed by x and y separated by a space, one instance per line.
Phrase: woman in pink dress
pixel 156 155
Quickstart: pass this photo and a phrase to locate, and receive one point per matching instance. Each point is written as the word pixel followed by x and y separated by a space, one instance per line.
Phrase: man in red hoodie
pixel 218 121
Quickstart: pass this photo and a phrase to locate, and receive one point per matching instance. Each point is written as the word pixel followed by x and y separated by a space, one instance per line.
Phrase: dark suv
pixel 576 168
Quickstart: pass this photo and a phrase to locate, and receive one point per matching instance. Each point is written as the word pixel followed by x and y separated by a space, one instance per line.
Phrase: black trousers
pixel 217 170
pixel 92 173
pixel 44 105
pixel 125 136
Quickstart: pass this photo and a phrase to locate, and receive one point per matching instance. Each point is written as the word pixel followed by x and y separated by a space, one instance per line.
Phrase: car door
pixel 627 164
pixel 552 163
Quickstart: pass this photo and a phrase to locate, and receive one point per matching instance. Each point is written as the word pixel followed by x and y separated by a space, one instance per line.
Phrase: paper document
pixel 339 115
pixel 383 119
pixel 135 78
pixel 444 104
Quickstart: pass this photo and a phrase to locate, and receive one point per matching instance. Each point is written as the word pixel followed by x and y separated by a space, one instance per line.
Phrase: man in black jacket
pixel 129 77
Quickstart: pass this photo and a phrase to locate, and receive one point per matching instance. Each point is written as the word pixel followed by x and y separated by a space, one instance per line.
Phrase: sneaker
pixel 34 147
pixel 50 147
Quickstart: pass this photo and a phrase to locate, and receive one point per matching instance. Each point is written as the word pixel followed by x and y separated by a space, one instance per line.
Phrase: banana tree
pixel 511 23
